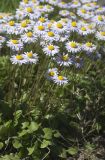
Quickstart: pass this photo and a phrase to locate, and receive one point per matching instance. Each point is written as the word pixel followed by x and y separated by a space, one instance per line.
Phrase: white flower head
pixel 29 37
pixel 15 45
pixel 51 50
pixel 100 35
pixel 73 47
pixel 89 47
pixel 64 60
pixel 18 59
pixel 31 57
pixel 60 80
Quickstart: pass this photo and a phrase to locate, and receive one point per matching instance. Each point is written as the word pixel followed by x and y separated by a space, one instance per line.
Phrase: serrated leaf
pixel 48 133
pixel 72 150
pixel 16 144
pixel 1 145
pixel 30 150
pixel 45 143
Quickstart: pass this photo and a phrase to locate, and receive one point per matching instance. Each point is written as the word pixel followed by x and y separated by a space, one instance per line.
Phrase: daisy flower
pixel 89 47
pixel 75 4
pixel 99 19
pixel 86 30
pixel 59 27
pixel 24 27
pixel 28 37
pixel 73 47
pixel 60 80
pixel 90 6
pixel 51 36
pixel 62 5
pixel 42 21
pixel 39 29
pixel 53 2
pixel 84 13
pixel 48 8
pixel 51 50
pixel 2 39
pixel 73 26
pixel 31 57
pixel 11 28
pixel 100 10
pixel 100 35
pixel 15 45
pixel 64 60
pixel 51 73
pixel 88 1
pixel 18 59
pixel 64 13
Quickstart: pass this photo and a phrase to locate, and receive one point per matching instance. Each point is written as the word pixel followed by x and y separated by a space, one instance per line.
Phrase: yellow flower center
pixel 83 29
pixel 24 24
pixel 29 34
pixel 100 18
pixel 49 25
pixel 73 44
pixel 51 73
pixel 15 41
pixel 74 24
pixel 103 33
pixel 51 47
pixel 19 57
pixel 75 2
pixel 90 26
pixel 48 6
pixel 30 54
pixel 27 21
pixel 88 44
pixel 65 57
pixel 40 7
pixel 63 3
pixel 83 11
pixel 50 34
pixel 59 25
pixel 100 9
pixel 29 9
pixel 42 19
pixel 88 5
pixel 60 78
pixel 25 1
pixel 72 14
pixel 11 23
pixel 41 28
pixel 1 17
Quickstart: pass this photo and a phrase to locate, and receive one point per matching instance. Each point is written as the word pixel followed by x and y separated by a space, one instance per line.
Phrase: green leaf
pixel 72 150
pixel 57 134
pixel 30 150
pixel 16 144
pixel 1 145
pixel 22 133
pixel 25 125
pixel 45 143
pixel 17 114
pixel 48 133
pixel 33 127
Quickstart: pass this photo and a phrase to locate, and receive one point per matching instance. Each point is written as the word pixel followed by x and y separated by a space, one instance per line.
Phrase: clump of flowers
pixel 67 42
